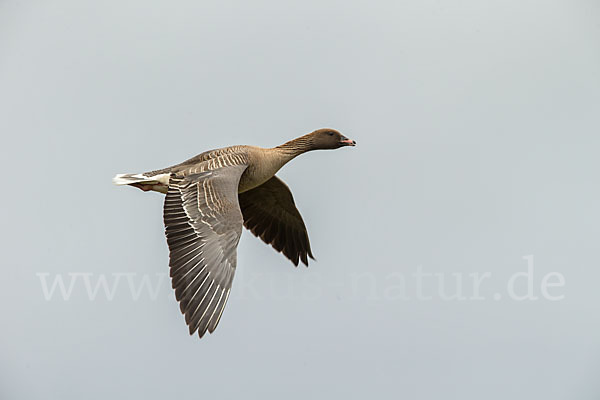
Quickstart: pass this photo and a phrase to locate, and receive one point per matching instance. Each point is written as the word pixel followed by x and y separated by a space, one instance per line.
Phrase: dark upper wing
pixel 270 213
pixel 203 226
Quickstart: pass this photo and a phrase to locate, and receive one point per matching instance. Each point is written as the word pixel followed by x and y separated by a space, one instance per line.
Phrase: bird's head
pixel 327 139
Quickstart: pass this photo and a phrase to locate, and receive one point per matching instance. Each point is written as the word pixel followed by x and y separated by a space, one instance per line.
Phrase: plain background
pixel 477 126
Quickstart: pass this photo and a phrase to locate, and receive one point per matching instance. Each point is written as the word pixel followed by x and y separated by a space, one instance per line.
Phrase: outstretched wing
pixel 203 224
pixel 270 213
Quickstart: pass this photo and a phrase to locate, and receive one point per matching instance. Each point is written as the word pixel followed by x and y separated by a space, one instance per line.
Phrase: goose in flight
pixel 209 198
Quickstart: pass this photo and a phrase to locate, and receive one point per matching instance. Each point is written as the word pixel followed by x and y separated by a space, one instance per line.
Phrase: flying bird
pixel 208 199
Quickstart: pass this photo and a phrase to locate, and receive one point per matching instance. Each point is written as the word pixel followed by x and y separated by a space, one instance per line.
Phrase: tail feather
pixel 157 183
pixel 128 179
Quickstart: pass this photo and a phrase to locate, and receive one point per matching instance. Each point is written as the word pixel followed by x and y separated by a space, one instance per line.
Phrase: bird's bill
pixel 347 142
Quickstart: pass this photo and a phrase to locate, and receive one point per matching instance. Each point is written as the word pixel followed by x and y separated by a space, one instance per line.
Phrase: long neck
pixel 295 147
pixel 274 158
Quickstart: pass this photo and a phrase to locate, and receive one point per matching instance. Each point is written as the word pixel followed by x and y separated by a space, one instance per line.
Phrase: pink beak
pixel 348 142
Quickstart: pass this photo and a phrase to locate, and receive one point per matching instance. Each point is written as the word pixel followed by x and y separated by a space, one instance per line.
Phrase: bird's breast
pixel 254 176
pixel 262 165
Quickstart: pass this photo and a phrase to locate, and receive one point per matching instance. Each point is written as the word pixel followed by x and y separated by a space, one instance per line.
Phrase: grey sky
pixel 477 127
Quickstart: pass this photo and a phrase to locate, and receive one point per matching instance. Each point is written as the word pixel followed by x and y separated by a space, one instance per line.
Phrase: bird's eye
pixel 330 133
